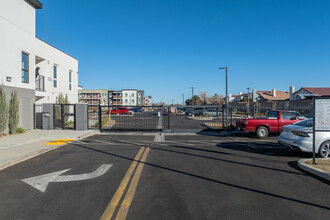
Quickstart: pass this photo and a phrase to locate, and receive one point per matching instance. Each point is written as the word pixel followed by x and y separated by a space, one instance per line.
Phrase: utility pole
pixel 248 103
pixel 192 94
pixel 226 68
pixel 182 99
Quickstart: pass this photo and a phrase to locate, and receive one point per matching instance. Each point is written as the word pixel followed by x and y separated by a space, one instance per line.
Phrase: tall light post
pixel 192 93
pixel 248 103
pixel 226 68
pixel 182 99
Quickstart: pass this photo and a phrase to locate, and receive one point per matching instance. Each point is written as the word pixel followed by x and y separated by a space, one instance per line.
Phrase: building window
pixel 139 95
pixel 132 95
pixel 70 80
pixel 139 101
pixel 55 76
pixel 25 68
pixel 126 101
pixel 125 95
pixel 132 101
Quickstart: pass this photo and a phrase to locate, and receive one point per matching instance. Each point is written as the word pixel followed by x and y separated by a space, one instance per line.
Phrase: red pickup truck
pixel 273 123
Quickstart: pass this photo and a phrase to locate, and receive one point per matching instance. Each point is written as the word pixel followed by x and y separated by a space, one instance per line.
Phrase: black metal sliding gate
pixel 168 119
pixel 131 118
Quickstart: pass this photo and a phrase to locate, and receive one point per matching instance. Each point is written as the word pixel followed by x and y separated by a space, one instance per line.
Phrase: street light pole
pixel 226 68
pixel 192 94
pixel 182 99
pixel 248 103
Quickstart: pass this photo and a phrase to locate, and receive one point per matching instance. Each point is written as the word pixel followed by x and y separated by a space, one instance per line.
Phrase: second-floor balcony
pixel 40 83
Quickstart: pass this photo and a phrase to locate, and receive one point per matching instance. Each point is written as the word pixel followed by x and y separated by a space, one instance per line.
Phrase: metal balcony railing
pixel 40 83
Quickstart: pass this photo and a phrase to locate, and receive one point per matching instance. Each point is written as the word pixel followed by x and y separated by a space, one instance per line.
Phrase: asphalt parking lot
pixel 186 177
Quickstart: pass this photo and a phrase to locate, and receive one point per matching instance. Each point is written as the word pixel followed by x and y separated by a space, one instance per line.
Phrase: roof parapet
pixel 35 3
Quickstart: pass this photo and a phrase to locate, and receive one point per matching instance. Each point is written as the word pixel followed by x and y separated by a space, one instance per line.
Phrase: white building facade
pixel 129 97
pixel 38 71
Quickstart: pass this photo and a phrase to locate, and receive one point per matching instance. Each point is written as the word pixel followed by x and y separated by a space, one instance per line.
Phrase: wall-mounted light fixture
pixel 8 79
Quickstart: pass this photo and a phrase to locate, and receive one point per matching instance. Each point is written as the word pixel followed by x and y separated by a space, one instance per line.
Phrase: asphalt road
pixel 187 177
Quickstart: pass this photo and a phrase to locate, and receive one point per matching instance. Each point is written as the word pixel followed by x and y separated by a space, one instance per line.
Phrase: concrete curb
pixel 37 153
pixel 317 172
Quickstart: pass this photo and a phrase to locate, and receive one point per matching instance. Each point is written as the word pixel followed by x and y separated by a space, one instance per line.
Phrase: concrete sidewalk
pixel 20 147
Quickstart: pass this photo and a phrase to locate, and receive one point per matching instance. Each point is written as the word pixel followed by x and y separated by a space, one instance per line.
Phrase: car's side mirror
pixel 293 118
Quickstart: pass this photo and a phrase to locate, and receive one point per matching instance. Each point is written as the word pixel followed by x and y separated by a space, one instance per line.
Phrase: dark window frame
pixel 28 67
pixel 70 80
pixel 55 76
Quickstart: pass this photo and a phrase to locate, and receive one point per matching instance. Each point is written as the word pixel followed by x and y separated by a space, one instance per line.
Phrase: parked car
pixel 119 111
pixel 212 112
pixel 273 123
pixel 195 111
pixel 299 137
pixel 138 109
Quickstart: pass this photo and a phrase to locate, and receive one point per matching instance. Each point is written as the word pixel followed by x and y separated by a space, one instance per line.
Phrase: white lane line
pixel 180 143
pixel 204 142
pixel 128 142
pixel 160 123
pixel 93 140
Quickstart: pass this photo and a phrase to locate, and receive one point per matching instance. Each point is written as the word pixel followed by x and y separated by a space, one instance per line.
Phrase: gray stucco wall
pixel 26 100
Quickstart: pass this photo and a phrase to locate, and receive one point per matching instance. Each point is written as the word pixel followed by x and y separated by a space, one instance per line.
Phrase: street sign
pixel 321 118
pixel 41 182
pixel 322 114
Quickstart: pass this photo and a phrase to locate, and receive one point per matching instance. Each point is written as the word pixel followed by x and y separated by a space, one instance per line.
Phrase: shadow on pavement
pixel 210 179
pixel 294 164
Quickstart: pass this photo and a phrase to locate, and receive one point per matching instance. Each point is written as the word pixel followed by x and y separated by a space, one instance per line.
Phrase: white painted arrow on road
pixel 41 182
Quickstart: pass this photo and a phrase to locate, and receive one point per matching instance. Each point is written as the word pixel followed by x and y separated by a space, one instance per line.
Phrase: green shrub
pixel 20 130
pixel 105 120
pixel 69 123
pixel 3 110
pixel 13 113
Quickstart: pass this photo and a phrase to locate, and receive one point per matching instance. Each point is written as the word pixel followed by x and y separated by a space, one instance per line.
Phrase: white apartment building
pixel 129 97
pixel 37 70
pixel 126 97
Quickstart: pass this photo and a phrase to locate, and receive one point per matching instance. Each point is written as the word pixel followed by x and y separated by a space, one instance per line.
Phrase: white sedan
pixel 299 137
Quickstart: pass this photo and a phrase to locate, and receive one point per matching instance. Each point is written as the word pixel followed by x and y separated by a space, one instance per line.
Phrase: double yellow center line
pixel 139 160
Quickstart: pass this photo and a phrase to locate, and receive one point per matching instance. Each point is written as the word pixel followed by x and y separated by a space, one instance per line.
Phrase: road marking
pixel 41 182
pixel 59 142
pixel 180 143
pixel 109 211
pixel 104 142
pixel 160 123
pixel 122 213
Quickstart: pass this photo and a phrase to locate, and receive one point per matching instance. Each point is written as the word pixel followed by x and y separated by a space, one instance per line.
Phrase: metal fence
pixel 93 116
pixel 38 111
pixel 261 109
pixel 64 116
pixel 180 119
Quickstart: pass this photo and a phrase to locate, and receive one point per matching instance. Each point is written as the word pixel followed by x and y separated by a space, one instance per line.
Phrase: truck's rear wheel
pixel 262 132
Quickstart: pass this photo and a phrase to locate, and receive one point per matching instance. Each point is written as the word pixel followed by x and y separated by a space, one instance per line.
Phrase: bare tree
pixel 204 98
pixel 217 99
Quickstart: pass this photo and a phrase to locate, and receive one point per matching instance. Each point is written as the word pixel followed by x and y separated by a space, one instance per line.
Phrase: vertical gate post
pixel 223 118
pixel 75 116
pixel 231 116
pixel 34 116
pixel 62 116
pixel 100 117
pixel 168 117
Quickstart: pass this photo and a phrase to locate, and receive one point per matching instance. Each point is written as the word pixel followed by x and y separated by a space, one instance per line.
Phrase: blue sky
pixel 166 46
